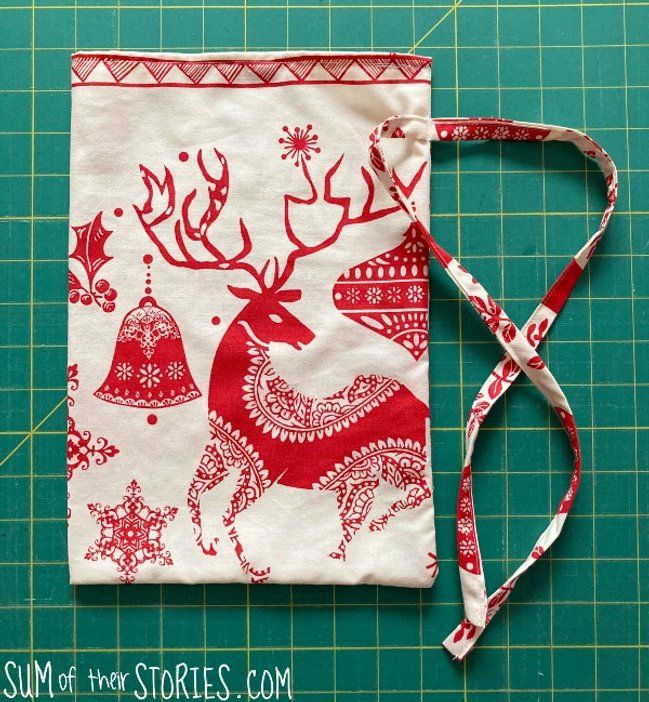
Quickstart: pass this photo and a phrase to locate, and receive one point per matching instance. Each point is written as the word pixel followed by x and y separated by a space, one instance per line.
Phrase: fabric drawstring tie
pixel 519 344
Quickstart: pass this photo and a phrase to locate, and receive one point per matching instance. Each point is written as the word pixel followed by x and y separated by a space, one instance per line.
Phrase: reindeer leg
pixel 405 475
pixel 416 494
pixel 354 481
pixel 209 473
pixel 251 486
pixel 354 496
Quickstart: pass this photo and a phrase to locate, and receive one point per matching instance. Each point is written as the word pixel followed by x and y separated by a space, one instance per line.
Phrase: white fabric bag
pixel 249 392
pixel 248 322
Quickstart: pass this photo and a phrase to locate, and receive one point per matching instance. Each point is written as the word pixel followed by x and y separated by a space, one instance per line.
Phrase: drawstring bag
pixel 248 322
pixel 248 363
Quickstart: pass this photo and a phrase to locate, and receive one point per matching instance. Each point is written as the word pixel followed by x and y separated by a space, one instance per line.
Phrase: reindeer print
pixel 263 430
pixel 280 409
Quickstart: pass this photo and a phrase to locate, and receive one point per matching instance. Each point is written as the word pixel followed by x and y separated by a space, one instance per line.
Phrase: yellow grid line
pixel 634 362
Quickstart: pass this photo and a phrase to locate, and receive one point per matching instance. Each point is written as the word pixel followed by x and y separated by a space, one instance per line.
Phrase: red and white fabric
pixel 248 361
pixel 520 345
pixel 248 322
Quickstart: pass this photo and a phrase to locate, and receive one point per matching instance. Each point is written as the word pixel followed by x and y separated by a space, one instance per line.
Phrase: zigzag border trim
pixel 119 70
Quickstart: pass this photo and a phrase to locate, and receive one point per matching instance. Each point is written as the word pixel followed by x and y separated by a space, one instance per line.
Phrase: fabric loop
pixel 519 344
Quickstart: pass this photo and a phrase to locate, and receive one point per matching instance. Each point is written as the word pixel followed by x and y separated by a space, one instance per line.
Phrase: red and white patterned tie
pixel 519 345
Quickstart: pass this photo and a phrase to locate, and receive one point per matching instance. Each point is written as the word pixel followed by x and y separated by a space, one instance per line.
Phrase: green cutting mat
pixel 578 626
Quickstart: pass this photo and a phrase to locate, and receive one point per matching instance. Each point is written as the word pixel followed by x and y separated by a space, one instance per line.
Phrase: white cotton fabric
pixel 133 110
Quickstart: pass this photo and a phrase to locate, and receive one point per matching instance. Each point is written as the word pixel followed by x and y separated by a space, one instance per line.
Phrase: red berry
pixel 102 285
pixel 108 306
pixel 74 296
pixel 110 294
pixel 86 299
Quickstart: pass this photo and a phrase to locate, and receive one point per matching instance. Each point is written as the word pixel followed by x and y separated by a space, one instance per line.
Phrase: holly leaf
pixel 89 250
pixel 543 328
pixel 509 332
pixel 73 282
pixel 495 388
pixel 536 362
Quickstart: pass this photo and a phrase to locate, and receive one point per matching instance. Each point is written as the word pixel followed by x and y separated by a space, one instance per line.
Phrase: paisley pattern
pixel 228 450
pixel 292 416
pixel 397 462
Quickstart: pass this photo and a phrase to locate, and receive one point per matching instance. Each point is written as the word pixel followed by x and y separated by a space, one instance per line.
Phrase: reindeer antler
pixel 367 213
pixel 160 212
pixel 160 209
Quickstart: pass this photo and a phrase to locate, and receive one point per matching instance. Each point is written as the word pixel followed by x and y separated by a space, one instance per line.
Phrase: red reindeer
pixel 262 429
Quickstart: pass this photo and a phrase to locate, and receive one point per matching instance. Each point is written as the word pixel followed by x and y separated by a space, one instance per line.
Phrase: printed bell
pixel 149 367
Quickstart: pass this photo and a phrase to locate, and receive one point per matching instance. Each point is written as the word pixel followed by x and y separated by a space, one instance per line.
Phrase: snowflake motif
pixel 353 295
pixel 500 133
pixel 460 133
pixel 415 293
pixel 393 294
pixel 299 143
pixel 124 371
pixel 481 132
pixel 522 134
pixel 175 370
pixel 414 243
pixel 130 533
pixel 149 375
pixel 466 484
pixel 467 548
pixel 373 295
pixel 465 505
pixel 465 526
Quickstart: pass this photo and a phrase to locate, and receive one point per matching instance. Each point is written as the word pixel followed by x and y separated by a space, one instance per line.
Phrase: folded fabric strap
pixel 519 345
